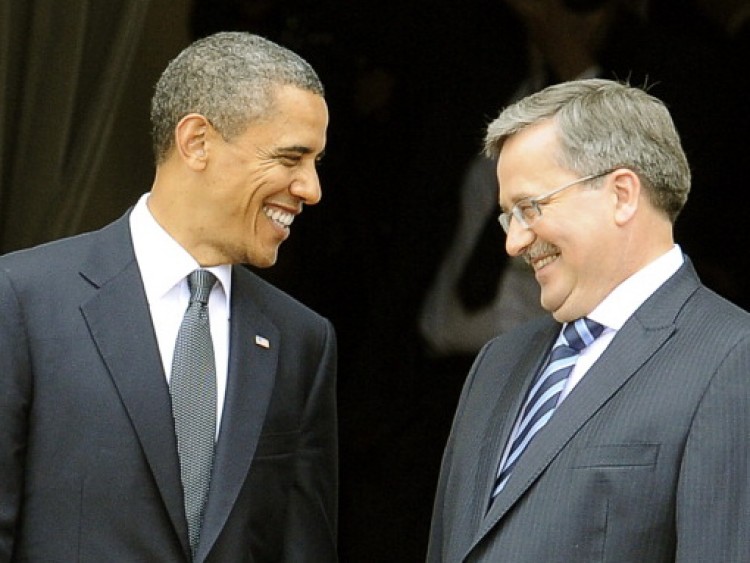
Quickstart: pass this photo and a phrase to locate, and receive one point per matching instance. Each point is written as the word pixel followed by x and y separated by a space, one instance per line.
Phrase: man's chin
pixel 548 304
pixel 262 261
pixel 567 311
pixel 556 307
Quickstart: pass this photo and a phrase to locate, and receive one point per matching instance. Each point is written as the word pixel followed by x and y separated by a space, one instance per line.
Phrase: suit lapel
pixel 637 341
pixel 252 370
pixel 497 431
pixel 120 324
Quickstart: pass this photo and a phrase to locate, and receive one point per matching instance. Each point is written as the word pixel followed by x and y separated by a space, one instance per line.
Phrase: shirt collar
pixel 162 261
pixel 625 299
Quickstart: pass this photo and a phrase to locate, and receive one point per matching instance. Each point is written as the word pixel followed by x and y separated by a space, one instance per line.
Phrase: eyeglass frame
pixel 536 202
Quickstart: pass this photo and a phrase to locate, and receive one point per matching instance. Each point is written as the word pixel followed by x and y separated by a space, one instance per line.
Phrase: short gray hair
pixel 229 78
pixel 603 124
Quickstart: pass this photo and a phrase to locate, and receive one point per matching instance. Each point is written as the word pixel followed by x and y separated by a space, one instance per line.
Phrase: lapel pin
pixel 262 342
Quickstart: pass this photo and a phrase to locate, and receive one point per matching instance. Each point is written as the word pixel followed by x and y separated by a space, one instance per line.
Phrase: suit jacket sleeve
pixel 15 392
pixel 713 498
pixel 313 501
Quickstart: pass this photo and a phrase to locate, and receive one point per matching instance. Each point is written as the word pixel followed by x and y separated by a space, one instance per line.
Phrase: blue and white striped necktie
pixel 545 393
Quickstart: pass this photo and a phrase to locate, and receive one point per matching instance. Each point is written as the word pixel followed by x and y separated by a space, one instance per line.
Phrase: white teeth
pixel 544 261
pixel 283 218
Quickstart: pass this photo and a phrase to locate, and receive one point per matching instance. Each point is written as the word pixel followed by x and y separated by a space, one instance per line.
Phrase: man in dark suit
pixel 617 430
pixel 93 466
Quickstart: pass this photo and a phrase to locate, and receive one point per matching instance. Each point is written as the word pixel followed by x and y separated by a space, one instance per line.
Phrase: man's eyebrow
pixel 518 198
pixel 299 149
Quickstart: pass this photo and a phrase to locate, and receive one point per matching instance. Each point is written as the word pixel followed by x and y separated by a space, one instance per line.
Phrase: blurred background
pixel 392 252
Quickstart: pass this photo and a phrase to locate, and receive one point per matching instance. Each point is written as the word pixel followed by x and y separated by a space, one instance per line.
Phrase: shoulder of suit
pixel 718 314
pixel 49 256
pixel 268 297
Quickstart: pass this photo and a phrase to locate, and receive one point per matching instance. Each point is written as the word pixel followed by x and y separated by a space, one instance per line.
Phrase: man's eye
pixel 527 210
pixel 289 160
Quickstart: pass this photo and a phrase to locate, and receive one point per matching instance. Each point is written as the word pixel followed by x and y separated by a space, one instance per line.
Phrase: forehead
pixel 298 118
pixel 292 103
pixel 527 165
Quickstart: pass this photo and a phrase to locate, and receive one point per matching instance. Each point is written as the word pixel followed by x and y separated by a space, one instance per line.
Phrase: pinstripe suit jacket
pixel 88 459
pixel 646 461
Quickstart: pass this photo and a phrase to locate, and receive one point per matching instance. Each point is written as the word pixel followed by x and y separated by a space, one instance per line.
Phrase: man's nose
pixel 307 187
pixel 518 238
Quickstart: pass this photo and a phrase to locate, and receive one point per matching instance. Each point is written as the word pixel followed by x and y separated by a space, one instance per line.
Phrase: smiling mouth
pixel 539 263
pixel 281 218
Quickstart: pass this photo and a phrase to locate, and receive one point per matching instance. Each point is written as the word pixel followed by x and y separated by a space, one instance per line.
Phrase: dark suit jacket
pixel 647 460
pixel 88 460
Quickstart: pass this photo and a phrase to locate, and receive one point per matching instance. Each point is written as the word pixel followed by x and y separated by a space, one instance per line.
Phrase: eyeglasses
pixel 529 210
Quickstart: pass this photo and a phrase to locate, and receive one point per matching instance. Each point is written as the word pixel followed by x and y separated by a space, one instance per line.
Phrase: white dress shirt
pixel 620 305
pixel 164 267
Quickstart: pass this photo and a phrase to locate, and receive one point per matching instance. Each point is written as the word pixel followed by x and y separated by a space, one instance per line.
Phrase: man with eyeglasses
pixel 617 429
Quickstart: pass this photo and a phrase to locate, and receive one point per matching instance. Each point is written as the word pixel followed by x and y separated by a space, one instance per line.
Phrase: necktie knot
pixel 582 333
pixel 200 283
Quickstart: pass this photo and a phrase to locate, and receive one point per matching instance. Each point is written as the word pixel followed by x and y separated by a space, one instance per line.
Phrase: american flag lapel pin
pixel 262 341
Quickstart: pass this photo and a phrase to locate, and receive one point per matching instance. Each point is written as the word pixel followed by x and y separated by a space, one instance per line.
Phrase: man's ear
pixel 190 140
pixel 626 186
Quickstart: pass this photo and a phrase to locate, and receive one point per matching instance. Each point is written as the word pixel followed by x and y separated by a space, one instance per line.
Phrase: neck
pixel 177 209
